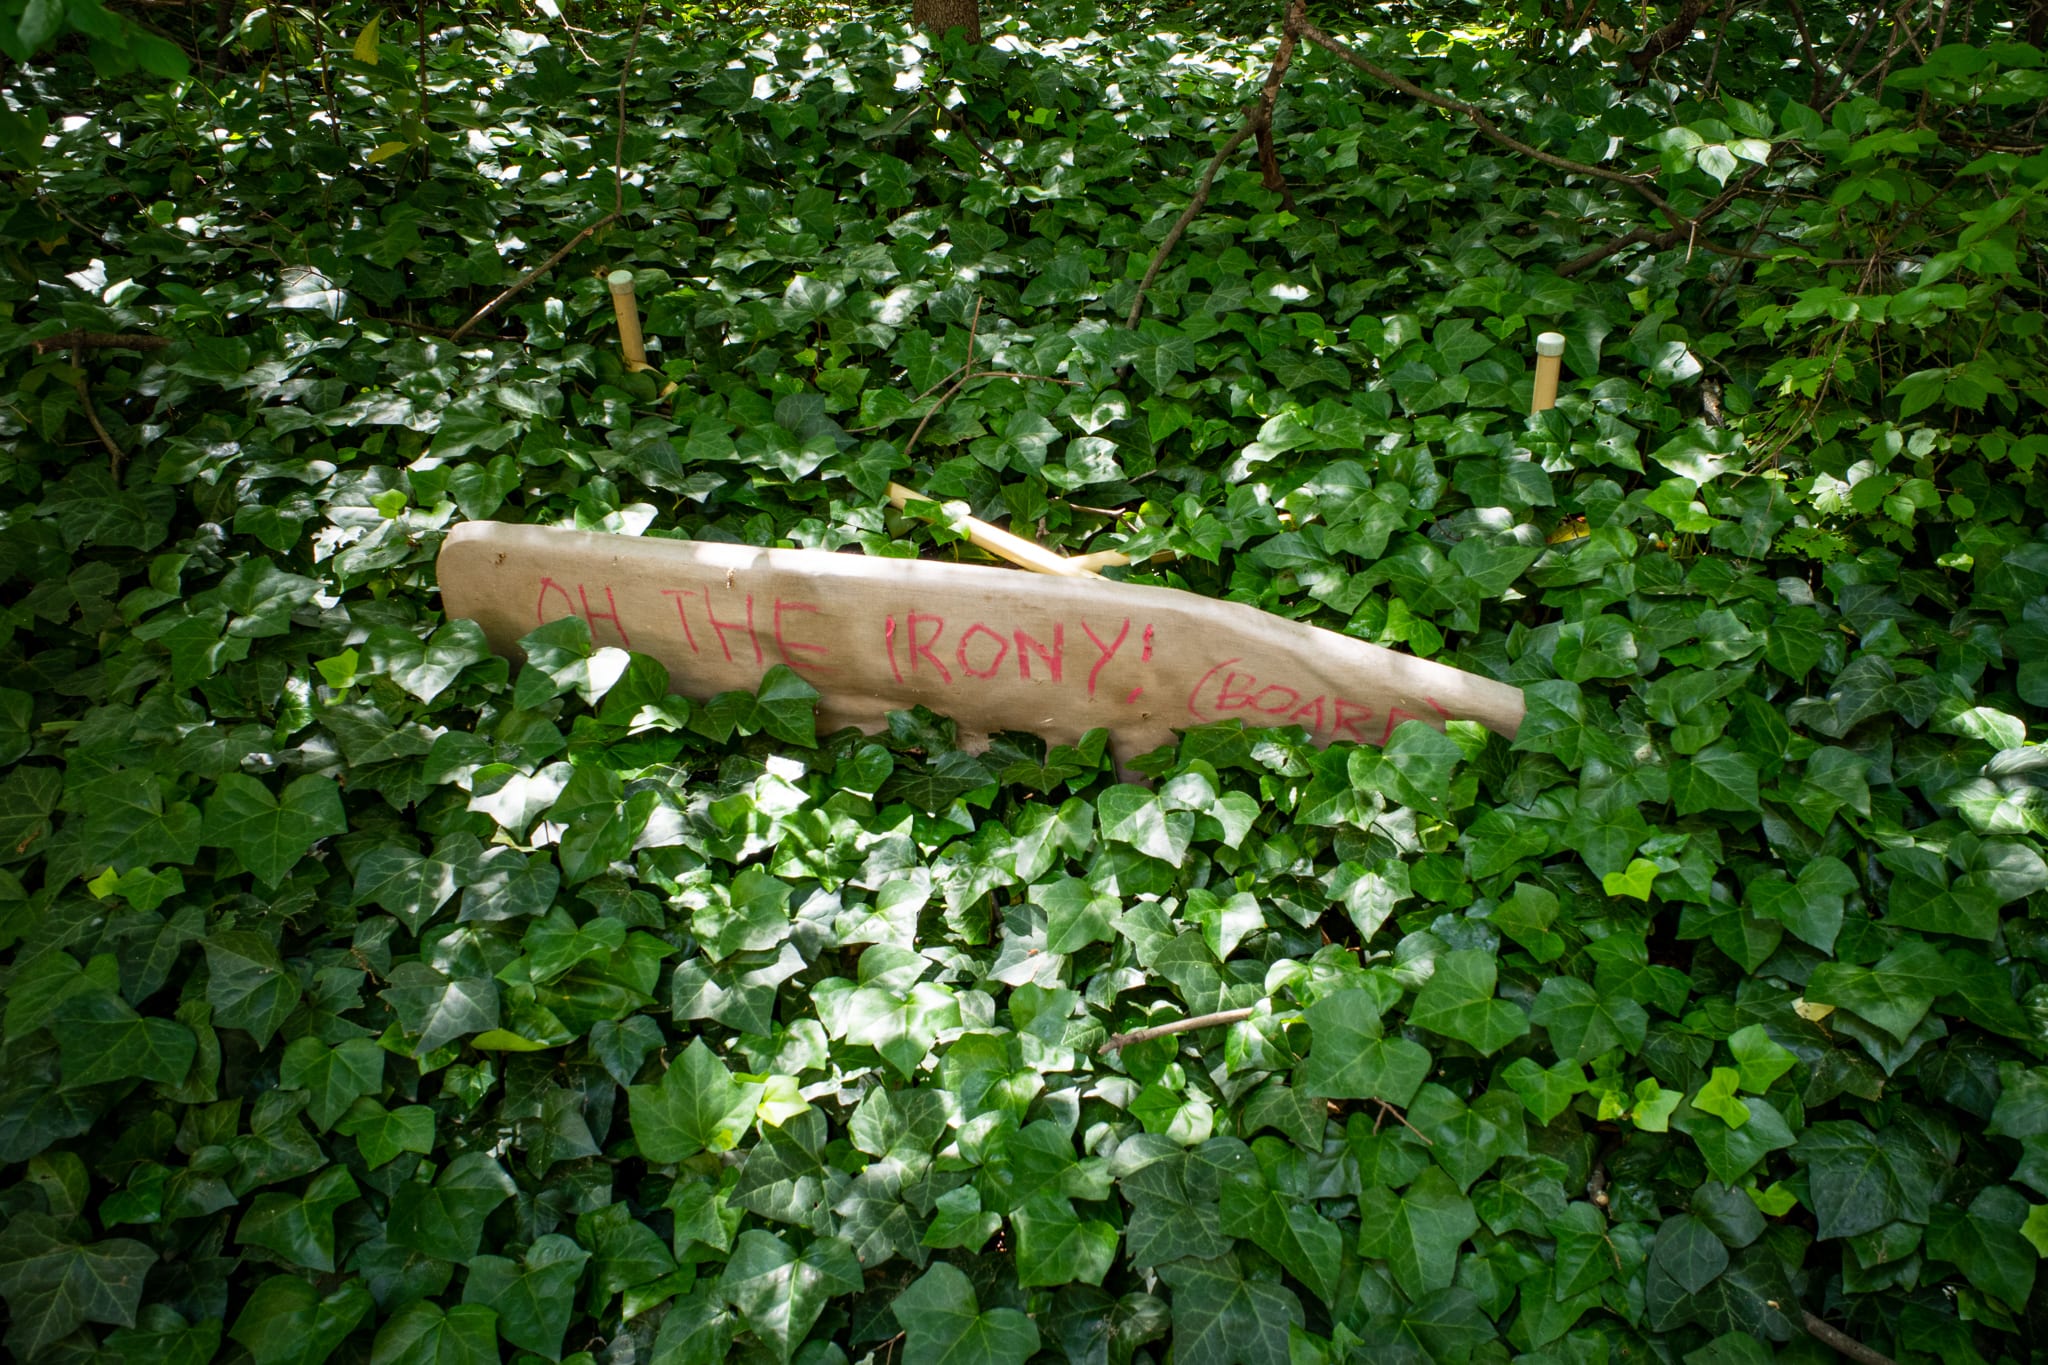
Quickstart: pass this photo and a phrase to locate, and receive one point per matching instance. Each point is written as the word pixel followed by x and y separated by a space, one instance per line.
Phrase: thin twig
pixel 430 330
pixel 326 79
pixel 1806 46
pixel 1720 37
pixel 115 455
pixel 1843 81
pixel 422 22
pixel 1492 131
pixel 959 125
pixel 1389 1111
pixel 1180 225
pixel 1257 118
pixel 619 149
pixel 529 277
pixel 1119 1041
pixel 1841 1341
pixel 1613 248
pixel 618 199
pixel 952 384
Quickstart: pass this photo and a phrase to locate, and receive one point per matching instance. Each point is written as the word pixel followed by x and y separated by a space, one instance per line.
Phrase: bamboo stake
pixel 631 344
pixel 1549 357
pixel 1024 553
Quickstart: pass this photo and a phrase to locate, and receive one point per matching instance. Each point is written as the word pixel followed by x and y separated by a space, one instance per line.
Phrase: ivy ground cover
pixel 370 999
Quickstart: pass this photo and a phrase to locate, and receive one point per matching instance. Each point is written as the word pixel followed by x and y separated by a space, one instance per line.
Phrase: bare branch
pixel 1269 156
pixel 1479 119
pixel 1119 1041
pixel 1180 225
pixel 101 341
pixel 115 455
pixel 1841 1341
pixel 1672 35
pixel 1257 120
pixel 529 277
pixel 618 198
pixel 619 149
pixel 1388 1111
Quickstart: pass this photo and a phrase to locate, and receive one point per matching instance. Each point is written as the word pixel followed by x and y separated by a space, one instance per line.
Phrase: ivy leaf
pixel 1859 1180
pixel 1717 1097
pixel 1718 777
pixel 779 1293
pixel 1758 1058
pixel 902 1027
pixel 753 915
pixel 1811 907
pixel 695 1107
pixel 28 796
pixel 1077 914
pixel 1470 1137
pixel 53 1284
pixel 1166 1222
pixel 1297 1236
pixel 1056 1246
pixel 445 1218
pixel 300 1227
pixel 288 1322
pixel 628 1252
pixel 335 1077
pixel 437 1009
pixel 1684 1259
pixel 943 1324
pixel 1221 1317
pixel 958 1220
pixel 1987 1243
pixel 424 1334
pixel 534 1297
pixel 247 984
pixel 102 1039
pixel 381 1134
pixel 1350 1059
pixel 1458 1003
pixel 1413 768
pixel 560 657
pixel 1894 994
pixel 1134 816
pixel 1583 1023
pixel 398 880
pixel 1418 1233
pixel 271 833
pixel 785 706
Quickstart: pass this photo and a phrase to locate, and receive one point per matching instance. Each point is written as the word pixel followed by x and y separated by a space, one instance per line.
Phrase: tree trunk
pixel 942 16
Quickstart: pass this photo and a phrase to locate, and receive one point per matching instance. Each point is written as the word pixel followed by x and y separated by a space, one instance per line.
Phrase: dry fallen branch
pixel 1672 35
pixel 1486 126
pixel 1119 1041
pixel 1180 225
pixel 1841 1341
pixel 618 199
pixel 101 341
pixel 1388 1111
pixel 1269 157
pixel 961 377
pixel 529 277
pixel 1258 120
pixel 115 455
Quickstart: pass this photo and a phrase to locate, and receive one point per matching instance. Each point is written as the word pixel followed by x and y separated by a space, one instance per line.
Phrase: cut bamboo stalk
pixel 1549 356
pixel 1098 560
pixel 631 345
pixel 1027 554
